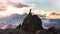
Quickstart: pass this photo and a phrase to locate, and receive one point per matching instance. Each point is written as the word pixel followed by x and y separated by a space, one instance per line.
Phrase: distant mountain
pixel 13 19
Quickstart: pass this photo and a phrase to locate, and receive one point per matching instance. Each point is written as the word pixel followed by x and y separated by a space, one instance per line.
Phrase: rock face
pixel 18 27
pixel 31 23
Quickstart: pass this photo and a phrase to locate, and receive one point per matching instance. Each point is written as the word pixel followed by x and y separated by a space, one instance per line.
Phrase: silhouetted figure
pixel 32 23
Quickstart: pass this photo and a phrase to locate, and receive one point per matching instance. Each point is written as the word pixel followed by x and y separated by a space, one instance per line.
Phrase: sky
pixel 47 5
pixel 8 7
pixel 18 6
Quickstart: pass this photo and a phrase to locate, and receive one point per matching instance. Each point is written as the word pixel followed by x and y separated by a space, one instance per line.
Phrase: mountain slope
pixel 13 19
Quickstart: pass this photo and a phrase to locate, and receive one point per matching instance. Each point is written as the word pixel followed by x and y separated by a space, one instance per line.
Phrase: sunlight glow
pixel 10 10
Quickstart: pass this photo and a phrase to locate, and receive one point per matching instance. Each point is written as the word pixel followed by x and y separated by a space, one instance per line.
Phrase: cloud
pixel 41 12
pixel 18 4
pixel 56 3
pixel 14 7
pixel 15 3
pixel 2 5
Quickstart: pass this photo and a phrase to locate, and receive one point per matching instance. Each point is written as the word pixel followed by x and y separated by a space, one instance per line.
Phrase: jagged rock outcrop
pixel 32 23
pixel 53 30
pixel 19 26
